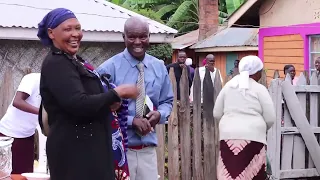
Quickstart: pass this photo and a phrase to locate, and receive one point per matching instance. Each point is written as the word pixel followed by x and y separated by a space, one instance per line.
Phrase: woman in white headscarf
pixel 245 110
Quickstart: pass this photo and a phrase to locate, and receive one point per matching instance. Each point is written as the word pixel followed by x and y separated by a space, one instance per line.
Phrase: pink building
pixel 289 31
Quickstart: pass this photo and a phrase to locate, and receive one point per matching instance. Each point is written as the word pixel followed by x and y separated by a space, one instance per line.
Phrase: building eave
pixel 240 12
pixel 227 49
pixel 18 33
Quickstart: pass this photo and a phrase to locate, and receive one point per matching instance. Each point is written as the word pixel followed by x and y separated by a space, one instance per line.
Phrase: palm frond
pixel 147 3
pixel 233 5
pixel 221 20
pixel 180 13
pixel 223 14
pixel 166 9
pixel 187 28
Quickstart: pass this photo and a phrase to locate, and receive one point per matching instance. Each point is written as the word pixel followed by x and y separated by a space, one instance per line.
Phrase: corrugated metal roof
pixel 230 37
pixel 185 40
pixel 94 15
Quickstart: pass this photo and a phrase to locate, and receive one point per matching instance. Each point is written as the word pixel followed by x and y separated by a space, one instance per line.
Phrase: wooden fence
pixel 6 92
pixel 293 141
pixel 188 145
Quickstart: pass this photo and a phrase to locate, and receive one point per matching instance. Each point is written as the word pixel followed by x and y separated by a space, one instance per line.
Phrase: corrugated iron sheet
pixel 185 40
pixel 230 37
pixel 94 15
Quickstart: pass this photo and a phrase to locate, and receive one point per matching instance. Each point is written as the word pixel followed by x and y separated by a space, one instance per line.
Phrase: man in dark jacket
pixel 178 66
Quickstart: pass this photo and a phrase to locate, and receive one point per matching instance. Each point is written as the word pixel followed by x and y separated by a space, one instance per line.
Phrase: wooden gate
pixel 293 147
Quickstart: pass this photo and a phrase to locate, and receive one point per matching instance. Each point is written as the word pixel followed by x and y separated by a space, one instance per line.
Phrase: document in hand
pixel 147 107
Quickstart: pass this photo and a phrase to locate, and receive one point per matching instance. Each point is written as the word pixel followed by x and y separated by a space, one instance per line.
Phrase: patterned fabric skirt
pixel 242 160
pixel 119 152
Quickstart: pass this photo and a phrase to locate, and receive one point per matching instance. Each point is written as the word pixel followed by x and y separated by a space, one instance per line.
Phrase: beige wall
pixel 289 12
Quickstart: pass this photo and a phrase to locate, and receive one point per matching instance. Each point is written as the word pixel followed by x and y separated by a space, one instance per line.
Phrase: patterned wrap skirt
pixel 119 151
pixel 242 160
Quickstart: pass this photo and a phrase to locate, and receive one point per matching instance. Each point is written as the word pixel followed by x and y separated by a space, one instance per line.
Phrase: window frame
pixel 312 69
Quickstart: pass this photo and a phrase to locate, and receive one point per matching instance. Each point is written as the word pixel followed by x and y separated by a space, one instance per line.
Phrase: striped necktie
pixel 141 87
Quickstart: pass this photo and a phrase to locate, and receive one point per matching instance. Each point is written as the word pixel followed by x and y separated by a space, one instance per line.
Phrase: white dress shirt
pixel 202 72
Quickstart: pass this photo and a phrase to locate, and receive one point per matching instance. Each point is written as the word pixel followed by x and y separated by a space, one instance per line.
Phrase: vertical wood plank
pixel 302 123
pixel 173 141
pixel 160 129
pixel 314 107
pixel 184 125
pixel 274 150
pixel 287 143
pixel 276 74
pixel 6 92
pixel 208 128
pixel 299 151
pixel 197 167
pixel 263 79
pixel 216 90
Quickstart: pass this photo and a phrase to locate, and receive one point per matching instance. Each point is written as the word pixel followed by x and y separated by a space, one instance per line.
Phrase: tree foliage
pixel 182 15
pixel 161 51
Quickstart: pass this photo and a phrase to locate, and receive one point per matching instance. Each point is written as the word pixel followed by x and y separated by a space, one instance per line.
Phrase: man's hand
pixel 154 118
pixel 142 125
pixel 115 106
pixel 182 66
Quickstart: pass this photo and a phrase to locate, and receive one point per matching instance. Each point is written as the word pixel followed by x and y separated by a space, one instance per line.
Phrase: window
pixel 314 50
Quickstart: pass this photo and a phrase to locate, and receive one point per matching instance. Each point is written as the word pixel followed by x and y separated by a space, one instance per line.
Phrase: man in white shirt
pixel 210 65
pixel 21 121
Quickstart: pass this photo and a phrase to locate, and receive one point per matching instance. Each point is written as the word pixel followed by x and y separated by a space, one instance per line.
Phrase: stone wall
pixel 19 55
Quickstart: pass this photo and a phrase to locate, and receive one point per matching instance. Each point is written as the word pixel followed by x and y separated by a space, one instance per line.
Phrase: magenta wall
pixel 303 29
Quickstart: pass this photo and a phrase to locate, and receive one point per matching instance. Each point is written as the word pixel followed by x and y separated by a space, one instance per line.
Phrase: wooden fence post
pixel 274 134
pixel 210 172
pixel 160 129
pixel 173 141
pixel 6 92
pixel 216 90
pixel 287 144
pixel 184 126
pixel 314 108
pixel 299 150
pixel 302 123
pixel 276 74
pixel 197 167
pixel 263 79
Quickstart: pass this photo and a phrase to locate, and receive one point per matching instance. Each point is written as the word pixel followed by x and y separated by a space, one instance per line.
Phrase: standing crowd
pixel 99 127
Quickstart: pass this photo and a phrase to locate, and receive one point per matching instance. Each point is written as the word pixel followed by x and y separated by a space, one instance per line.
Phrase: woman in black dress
pixel 79 145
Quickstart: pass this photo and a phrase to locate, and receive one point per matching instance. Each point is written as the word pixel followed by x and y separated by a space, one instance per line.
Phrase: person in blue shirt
pixel 134 65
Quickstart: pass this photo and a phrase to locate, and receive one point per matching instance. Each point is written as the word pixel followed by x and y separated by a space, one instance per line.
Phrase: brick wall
pixel 208 18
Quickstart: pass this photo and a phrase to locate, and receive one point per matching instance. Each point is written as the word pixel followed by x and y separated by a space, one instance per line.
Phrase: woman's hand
pixel 127 91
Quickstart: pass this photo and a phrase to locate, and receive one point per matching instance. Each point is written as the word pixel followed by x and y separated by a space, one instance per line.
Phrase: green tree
pixel 161 51
pixel 179 14
pixel 233 5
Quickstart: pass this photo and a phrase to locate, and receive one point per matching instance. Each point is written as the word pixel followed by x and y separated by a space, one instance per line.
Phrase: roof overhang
pixel 247 15
pixel 227 49
pixel 18 33
pixel 186 40
pixel 179 46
